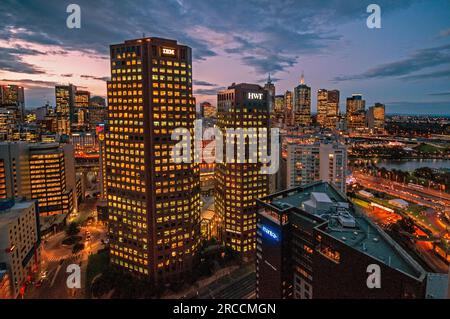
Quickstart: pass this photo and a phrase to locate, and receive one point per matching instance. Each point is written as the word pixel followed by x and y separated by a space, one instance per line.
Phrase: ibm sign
pixel 168 51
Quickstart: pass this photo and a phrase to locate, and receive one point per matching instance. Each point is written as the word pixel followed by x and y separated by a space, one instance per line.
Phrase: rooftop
pixel 6 216
pixel 365 237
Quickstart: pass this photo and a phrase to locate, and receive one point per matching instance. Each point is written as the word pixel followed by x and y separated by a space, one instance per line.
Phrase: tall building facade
pixel 52 178
pixel 238 185
pixel 8 124
pixel 81 110
pixel 308 163
pixel 376 117
pixel 278 114
pixel 356 112
pixel 14 161
pixel 12 98
pixel 313 244
pixel 153 202
pixel 322 106
pixel 19 245
pixel 332 109
pixel 288 108
pixel 41 171
pixel 270 88
pixel 97 112
pixel 65 107
pixel 302 104
pixel 328 108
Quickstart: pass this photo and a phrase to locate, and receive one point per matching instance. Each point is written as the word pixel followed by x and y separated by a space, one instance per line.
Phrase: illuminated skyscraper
pixel 81 113
pixel 278 115
pixel 327 108
pixel 288 108
pixel 12 98
pixel 322 104
pixel 97 112
pixel 332 109
pixel 356 112
pixel 52 177
pixel 238 185
pixel 65 106
pixel 153 202
pixel 302 104
pixel 41 171
pixel 376 117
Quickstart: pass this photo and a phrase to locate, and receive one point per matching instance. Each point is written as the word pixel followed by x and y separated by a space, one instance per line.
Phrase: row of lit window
pixel 126 70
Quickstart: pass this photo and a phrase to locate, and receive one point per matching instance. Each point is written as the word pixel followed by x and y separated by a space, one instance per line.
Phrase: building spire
pixel 302 79
pixel 269 80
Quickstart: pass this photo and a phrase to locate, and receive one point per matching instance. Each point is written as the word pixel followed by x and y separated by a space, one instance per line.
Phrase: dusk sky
pixel 405 64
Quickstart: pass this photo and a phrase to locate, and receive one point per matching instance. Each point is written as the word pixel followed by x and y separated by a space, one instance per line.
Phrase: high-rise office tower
pixel 376 117
pixel 322 106
pixel 327 108
pixel 277 116
pixel 41 171
pixel 97 112
pixel 308 163
pixel 81 111
pixel 332 109
pixel 65 107
pixel 356 112
pixel 12 98
pixel 279 104
pixel 14 160
pixel 270 88
pixel 52 177
pixel 153 202
pixel 238 185
pixel 302 103
pixel 355 103
pixel 288 108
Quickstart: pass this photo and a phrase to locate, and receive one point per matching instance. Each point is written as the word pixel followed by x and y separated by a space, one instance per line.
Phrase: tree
pixel 405 224
pixel 72 229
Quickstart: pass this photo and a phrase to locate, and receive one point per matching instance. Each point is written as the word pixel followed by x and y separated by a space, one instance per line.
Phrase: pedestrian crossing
pixel 69 258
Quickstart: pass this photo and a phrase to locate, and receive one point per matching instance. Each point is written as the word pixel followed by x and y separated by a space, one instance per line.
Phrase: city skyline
pixel 242 150
pixel 335 49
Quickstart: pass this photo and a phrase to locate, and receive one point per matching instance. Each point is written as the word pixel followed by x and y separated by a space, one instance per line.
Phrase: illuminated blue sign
pixel 270 233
